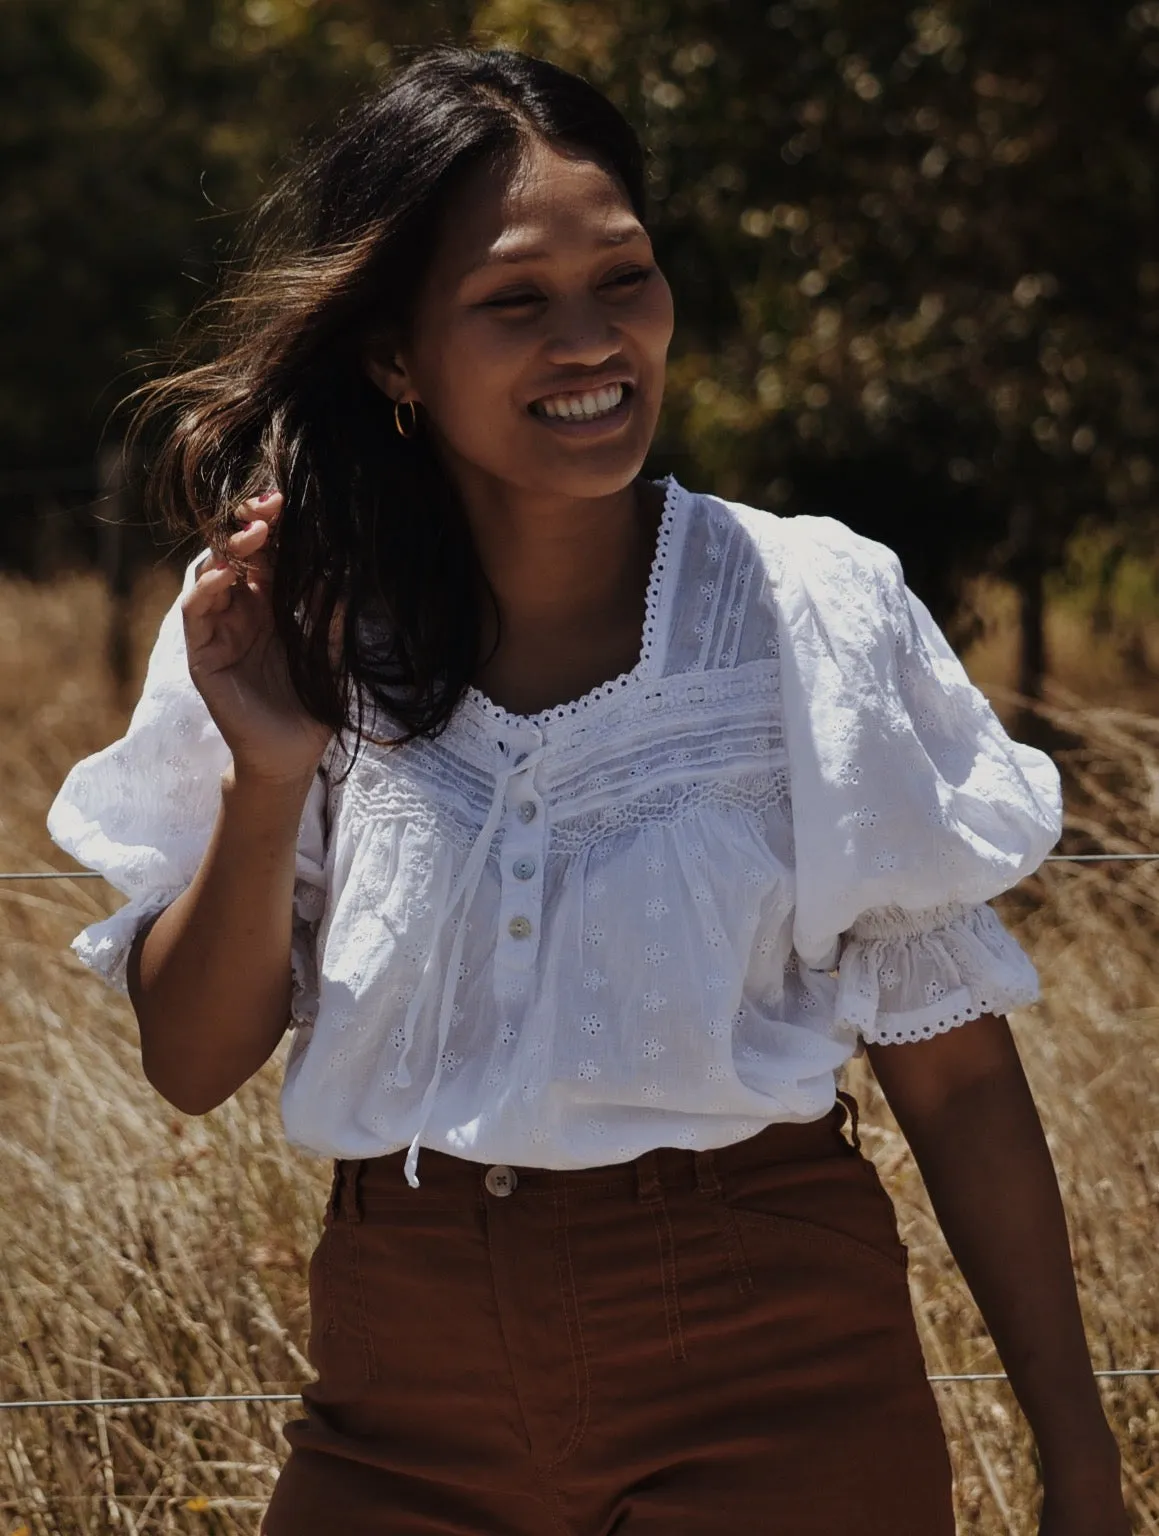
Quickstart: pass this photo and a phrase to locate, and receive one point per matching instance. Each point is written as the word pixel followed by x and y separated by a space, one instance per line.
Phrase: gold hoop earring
pixel 414 418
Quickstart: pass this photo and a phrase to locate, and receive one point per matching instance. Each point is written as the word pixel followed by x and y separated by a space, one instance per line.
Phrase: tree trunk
pixel 1032 615
pixel 1027 568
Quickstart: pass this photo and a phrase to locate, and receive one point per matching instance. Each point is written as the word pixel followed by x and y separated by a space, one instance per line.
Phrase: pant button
pixel 500 1180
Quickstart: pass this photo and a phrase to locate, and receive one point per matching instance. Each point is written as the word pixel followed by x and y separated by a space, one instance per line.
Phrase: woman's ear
pixel 386 370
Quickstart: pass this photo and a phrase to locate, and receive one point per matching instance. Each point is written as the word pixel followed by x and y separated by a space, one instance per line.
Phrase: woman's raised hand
pixel 238 664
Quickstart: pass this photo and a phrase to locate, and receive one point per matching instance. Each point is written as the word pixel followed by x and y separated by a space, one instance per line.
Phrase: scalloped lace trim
pixel 660 561
pixel 906 1034
pixel 911 986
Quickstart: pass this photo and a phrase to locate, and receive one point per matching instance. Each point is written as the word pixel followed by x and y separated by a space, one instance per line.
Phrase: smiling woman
pixel 472 243
pixel 535 357
pixel 581 828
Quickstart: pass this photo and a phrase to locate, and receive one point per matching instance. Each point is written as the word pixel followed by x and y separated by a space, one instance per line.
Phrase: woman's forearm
pixel 210 978
pixel 979 1144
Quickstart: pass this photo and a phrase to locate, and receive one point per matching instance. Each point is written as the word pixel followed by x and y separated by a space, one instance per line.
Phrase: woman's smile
pixel 585 414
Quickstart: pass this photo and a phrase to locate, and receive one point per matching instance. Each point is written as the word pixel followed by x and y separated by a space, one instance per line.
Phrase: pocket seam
pixel 346 1328
pixel 573 1321
pixel 362 1329
pixel 832 1236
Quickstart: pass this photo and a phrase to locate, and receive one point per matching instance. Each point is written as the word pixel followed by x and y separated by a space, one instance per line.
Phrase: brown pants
pixel 691 1344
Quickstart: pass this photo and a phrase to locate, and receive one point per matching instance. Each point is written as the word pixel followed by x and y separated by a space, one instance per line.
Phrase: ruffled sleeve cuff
pixel 104 947
pixel 907 976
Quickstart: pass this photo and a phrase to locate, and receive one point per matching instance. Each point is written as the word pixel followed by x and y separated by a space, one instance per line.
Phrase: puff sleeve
pixel 141 812
pixel 912 807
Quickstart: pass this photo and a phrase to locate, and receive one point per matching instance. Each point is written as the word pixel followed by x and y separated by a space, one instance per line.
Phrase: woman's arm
pixel 964 1105
pixel 210 978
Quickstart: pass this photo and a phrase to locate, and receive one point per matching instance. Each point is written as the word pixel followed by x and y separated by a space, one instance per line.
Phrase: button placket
pixel 522 854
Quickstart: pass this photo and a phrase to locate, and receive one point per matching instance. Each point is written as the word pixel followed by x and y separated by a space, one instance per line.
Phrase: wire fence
pixel 211 1398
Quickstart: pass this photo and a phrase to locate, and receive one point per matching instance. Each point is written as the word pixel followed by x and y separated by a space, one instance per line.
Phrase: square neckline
pixel 656 603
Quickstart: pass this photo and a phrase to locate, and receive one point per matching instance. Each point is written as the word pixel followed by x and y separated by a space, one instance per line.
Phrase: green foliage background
pixel 914 248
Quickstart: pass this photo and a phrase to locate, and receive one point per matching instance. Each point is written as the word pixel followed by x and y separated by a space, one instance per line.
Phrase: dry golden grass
pixel 147 1253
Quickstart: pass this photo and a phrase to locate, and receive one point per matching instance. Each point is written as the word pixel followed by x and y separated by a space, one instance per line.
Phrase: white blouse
pixel 662 915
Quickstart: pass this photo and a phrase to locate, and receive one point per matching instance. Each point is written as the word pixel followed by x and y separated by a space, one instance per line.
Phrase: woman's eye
pixel 630 279
pixel 619 282
pixel 512 301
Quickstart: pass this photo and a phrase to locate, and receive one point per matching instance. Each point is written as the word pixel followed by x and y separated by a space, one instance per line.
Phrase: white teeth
pixel 581 407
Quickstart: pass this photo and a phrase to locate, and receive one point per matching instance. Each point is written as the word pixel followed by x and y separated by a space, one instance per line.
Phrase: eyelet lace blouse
pixel 662 915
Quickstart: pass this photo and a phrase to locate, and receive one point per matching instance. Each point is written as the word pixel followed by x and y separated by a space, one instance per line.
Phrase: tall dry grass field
pixel 145 1253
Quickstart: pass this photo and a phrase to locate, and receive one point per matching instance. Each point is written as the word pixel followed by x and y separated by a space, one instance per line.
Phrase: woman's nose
pixel 582 333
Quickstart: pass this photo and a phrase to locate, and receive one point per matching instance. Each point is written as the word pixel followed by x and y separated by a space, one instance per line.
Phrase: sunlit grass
pixel 146 1253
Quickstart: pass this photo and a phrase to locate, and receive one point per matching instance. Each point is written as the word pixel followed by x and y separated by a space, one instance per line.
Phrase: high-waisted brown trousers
pixel 691 1344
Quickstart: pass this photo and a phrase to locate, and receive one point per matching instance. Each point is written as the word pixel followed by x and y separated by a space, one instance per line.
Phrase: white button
pixel 501 1180
pixel 519 928
pixel 526 811
pixel 523 869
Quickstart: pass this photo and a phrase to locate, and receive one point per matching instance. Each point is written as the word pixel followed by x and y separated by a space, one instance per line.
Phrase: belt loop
pixel 347 1201
pixel 707 1178
pixel 650 1191
pixel 335 1201
pixel 709 1185
pixel 853 1116
pixel 648 1187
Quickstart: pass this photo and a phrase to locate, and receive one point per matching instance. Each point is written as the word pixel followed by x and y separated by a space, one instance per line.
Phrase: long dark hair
pixel 372 525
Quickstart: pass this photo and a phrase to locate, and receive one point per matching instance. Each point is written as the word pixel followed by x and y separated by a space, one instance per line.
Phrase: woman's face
pixel 538 350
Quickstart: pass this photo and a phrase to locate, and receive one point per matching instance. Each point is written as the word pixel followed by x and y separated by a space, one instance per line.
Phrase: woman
pixel 579 828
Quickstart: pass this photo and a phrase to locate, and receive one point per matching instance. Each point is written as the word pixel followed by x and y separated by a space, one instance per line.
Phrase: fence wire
pixel 944 1378
pixel 293 1397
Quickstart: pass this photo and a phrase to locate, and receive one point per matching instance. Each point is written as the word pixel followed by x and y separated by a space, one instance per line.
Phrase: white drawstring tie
pixel 461 895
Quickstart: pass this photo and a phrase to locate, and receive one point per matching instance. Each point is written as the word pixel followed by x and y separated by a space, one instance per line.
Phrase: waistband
pixel 381 1180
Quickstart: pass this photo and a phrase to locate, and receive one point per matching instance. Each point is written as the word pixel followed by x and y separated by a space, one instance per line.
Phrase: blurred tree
pixel 915 256
pixel 132 137
pixel 914 250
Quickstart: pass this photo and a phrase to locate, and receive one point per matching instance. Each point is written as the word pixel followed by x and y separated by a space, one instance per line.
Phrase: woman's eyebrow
pixel 510 253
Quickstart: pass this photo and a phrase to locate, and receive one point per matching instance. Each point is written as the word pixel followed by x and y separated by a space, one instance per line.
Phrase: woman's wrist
pixel 242 782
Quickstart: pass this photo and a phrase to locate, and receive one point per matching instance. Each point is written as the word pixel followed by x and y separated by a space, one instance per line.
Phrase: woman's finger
pixel 249 539
pixel 266 506
pixel 210 592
